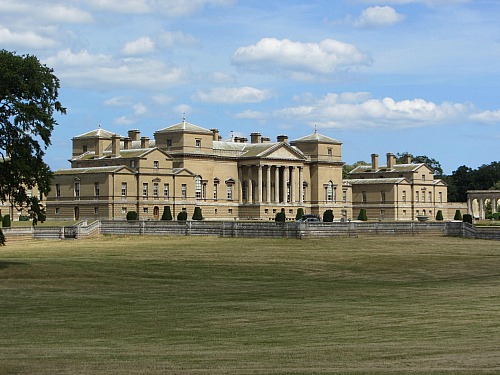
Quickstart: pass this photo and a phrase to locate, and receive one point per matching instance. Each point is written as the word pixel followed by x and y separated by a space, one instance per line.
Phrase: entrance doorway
pixel 156 212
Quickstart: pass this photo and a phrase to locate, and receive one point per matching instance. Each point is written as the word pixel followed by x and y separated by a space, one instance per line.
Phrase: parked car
pixel 309 218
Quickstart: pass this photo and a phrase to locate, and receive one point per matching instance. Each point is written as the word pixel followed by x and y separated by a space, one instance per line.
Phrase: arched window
pixel 198 187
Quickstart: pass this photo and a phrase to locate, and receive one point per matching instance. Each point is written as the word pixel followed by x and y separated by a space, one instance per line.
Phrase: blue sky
pixel 381 76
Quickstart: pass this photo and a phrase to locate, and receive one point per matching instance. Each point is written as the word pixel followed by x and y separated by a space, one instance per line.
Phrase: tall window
pixel 417 196
pixel 382 196
pixel 344 196
pixel 429 196
pixel 145 190
pixel 77 190
pixel 155 191
pixel 184 191
pixel 215 192
pixel 329 152
pixel 124 189
pixel 403 196
pixel 165 191
pixel 96 189
pixel 230 192
pixel 58 191
pixel 363 196
pixel 243 190
pixel 329 192
pixel 423 177
pixel 423 197
pixel 132 163
pixel 198 143
pixel 169 143
pixel 197 188
pixel 440 197
pixel 156 165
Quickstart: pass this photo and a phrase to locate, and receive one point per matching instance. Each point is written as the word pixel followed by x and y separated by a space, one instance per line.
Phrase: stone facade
pixel 397 191
pixel 184 166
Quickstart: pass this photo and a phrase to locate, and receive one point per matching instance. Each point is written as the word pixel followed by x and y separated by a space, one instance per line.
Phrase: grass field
pixel 195 305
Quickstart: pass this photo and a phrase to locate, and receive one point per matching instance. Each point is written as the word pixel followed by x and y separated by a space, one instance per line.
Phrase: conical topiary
pixel 458 215
pixel 328 216
pixel 197 214
pixel 167 215
pixel 439 216
pixel 300 213
pixel 362 215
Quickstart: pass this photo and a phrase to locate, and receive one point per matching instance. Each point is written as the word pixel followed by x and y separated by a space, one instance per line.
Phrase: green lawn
pixel 197 305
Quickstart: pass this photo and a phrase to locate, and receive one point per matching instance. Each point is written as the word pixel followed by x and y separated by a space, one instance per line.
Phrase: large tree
pixel 28 103
pixel 431 162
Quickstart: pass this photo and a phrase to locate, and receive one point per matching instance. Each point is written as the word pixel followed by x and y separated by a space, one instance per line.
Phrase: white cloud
pixel 183 110
pixel 430 3
pixel 378 16
pixel 173 8
pixel 176 8
pixel 162 99
pixel 300 60
pixel 231 95
pixel 139 109
pixel 251 115
pixel 357 110
pixel 83 69
pixel 122 6
pixel 487 116
pixel 45 13
pixel 125 120
pixel 118 101
pixel 26 39
pixel 139 46
pixel 170 38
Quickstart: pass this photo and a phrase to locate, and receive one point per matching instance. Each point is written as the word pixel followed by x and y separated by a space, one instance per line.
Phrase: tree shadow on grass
pixel 6 264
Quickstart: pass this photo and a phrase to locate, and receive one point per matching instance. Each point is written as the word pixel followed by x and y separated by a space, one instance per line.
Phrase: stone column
pixel 286 173
pixel 240 184
pixel 292 185
pixel 481 209
pixel 301 185
pixel 277 184
pixel 259 184
pixel 250 187
pixel 494 204
pixel 469 205
pixel 268 184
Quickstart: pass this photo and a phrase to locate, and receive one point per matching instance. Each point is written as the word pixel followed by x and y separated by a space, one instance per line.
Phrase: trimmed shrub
pixel 467 218
pixel 362 215
pixel 24 218
pixel 328 216
pixel 2 238
pixel 6 221
pixel 458 215
pixel 132 215
pixel 167 215
pixel 280 216
pixel 182 216
pixel 197 214
pixel 439 216
pixel 300 213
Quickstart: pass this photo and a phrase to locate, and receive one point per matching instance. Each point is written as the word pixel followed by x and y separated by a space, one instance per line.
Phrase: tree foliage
pixel 347 168
pixel 28 103
pixel 328 216
pixel 486 177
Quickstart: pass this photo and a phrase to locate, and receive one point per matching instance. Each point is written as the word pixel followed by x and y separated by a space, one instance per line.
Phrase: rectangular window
pixel 344 196
pixel 155 191
pixel 84 148
pixel 58 191
pixel 230 211
pixel 156 165
pixel 132 163
pixel 404 212
pixel 124 210
pixel 77 190
pixel 197 188
pixel 382 196
pixel 145 210
pixel 429 195
pixel 423 177
pixel 58 210
pixel 403 196
pixel 363 196
pixel 124 189
pixel 184 191
pixel 440 197
pixel 230 192
pixel 215 192
pixel 96 210
pixel 169 143
pixel 329 152
pixel 165 191
pixel 198 143
pixel 423 197
pixel 417 196
pixel 145 190
pixel 96 189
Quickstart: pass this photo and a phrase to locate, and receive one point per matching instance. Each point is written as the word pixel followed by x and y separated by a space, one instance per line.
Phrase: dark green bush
pixel 362 215
pixel 300 213
pixel 24 218
pixel 6 221
pixel 439 216
pixel 328 216
pixel 458 215
pixel 197 214
pixel 2 238
pixel 132 215
pixel 182 216
pixel 280 216
pixel 167 215
pixel 467 218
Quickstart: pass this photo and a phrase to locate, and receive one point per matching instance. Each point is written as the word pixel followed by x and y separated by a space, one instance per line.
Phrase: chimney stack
pixel 390 160
pixel 265 140
pixel 144 142
pixel 215 134
pixel 374 162
pixel 115 145
pixel 407 159
pixel 243 140
pixel 255 137
pixel 127 143
pixel 282 138
pixel 134 134
pixel 99 148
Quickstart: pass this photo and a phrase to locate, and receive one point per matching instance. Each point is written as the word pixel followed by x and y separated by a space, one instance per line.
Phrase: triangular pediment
pixel 283 152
